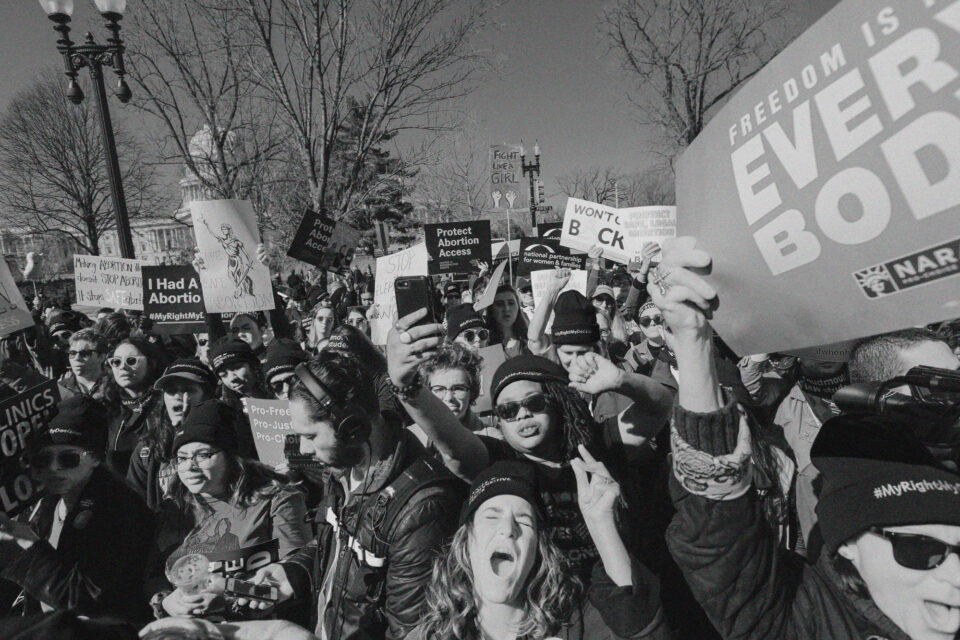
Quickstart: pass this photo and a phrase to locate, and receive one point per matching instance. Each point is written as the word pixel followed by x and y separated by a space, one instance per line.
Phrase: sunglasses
pixel 646 321
pixel 82 353
pixel 916 551
pixel 130 362
pixel 281 386
pixel 64 459
pixel 536 403
pixel 474 335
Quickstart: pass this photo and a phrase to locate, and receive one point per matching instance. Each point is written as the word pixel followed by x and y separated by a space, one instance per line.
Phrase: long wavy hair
pixel 253 482
pixel 519 325
pixel 550 596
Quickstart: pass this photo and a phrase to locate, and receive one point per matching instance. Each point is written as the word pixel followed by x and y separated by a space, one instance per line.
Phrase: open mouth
pixel 502 563
pixel 942 616
pixel 528 429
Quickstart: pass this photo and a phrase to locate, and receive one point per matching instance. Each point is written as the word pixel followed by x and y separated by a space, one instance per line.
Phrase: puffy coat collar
pixel 876 625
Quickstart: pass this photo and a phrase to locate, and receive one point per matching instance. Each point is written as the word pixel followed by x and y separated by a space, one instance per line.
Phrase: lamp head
pixel 123 91
pixel 57 8
pixel 111 6
pixel 74 92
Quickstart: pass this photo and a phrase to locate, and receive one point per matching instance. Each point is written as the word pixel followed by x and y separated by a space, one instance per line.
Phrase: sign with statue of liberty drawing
pixel 232 277
pixel 507 190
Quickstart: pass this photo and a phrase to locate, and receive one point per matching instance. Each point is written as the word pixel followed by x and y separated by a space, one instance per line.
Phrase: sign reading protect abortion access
pixel 828 189
pixel 457 247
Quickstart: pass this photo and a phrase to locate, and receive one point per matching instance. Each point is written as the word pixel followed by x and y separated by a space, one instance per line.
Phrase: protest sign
pixel 837 352
pixel 232 277
pixel 826 188
pixel 503 250
pixel 587 223
pixel 312 237
pixel 21 417
pixel 648 224
pixel 550 230
pixel 490 291
pixel 343 243
pixel 540 280
pixel 457 247
pixel 409 262
pixel 507 190
pixel 544 253
pixel 108 282
pixel 173 299
pixel 14 315
pixel 493 356
pixel 270 425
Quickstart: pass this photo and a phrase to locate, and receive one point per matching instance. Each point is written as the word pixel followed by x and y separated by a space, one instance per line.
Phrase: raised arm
pixel 537 341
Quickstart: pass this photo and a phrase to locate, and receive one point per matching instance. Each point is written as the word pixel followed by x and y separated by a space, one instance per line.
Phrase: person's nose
pixel 508 527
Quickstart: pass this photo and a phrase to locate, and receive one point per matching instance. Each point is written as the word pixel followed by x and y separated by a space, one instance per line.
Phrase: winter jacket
pixel 127 426
pixel 729 556
pixel 376 596
pixel 99 564
pixel 610 612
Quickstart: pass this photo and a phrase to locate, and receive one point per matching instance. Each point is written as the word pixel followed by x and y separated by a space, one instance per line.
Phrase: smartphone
pixel 414 293
pixel 263 592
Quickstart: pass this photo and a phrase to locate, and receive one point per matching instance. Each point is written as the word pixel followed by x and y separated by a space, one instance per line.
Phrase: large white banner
pixel 230 274
pixel 409 262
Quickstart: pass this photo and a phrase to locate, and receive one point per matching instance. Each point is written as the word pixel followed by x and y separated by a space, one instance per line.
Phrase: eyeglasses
pixel 646 321
pixel 82 353
pixel 916 551
pixel 202 459
pixel 64 459
pixel 130 362
pixel 536 403
pixel 475 335
pixel 283 386
pixel 457 390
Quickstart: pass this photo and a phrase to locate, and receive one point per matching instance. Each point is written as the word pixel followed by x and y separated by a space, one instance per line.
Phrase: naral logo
pixel 923 267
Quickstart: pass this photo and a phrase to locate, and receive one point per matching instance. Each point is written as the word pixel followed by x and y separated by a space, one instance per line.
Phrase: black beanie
pixel 212 422
pixel 574 320
pixel 526 367
pixel 507 477
pixel 227 351
pixel 282 356
pixel 81 421
pixel 462 317
pixel 875 473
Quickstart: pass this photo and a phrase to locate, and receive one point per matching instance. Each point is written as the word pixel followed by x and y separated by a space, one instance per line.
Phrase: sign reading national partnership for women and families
pixel 828 189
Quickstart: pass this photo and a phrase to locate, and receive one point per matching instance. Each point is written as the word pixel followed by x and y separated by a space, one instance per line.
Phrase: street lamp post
pixel 533 170
pixel 95 57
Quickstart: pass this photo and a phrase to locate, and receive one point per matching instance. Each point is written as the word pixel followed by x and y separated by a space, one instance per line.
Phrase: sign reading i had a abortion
pixel 173 299
pixel 827 190
pixel 457 247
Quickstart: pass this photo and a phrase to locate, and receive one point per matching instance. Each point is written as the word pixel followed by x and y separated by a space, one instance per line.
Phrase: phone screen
pixel 258 591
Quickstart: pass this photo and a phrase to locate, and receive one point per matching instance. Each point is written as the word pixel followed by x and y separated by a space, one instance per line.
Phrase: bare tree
pixel 596 184
pixel 605 185
pixel 53 176
pixel 684 57
pixel 399 65
pixel 451 185
pixel 187 60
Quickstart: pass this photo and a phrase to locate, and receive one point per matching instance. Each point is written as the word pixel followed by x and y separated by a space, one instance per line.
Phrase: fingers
pixel 424 331
pixel 587 458
pixel 409 320
pixel 581 474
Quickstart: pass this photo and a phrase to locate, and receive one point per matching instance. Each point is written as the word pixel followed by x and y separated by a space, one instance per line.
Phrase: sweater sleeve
pixel 288 510
pixel 719 538
pixel 629 612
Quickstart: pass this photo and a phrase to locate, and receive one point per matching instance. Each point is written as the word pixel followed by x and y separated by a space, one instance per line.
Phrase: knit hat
pixel 63 321
pixel 507 477
pixel 81 421
pixel 189 369
pixel 211 422
pixel 604 290
pixel 227 351
pixel 574 320
pixel 875 473
pixel 282 356
pixel 645 306
pixel 451 289
pixel 462 317
pixel 526 367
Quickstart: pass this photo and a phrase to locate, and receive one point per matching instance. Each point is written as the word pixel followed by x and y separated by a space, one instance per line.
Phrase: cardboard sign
pixel 493 356
pixel 21 417
pixel 507 188
pixel 324 242
pixel 230 274
pixel 826 189
pixel 542 253
pixel 14 314
pixel 173 299
pixel 490 291
pixel 108 282
pixel 588 223
pixel 457 247
pixel 540 280
pixel 649 224
pixel 270 424
pixel 409 262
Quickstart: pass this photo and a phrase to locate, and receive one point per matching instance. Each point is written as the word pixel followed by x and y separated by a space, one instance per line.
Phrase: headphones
pixel 348 423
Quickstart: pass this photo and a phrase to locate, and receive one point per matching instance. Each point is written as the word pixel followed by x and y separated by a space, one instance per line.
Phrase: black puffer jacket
pixel 379 597
pixel 729 556
pixel 128 423
pixel 99 564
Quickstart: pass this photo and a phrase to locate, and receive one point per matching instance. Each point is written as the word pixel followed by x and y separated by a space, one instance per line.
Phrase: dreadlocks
pixel 577 424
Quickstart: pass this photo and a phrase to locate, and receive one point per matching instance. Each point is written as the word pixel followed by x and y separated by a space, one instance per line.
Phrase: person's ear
pixel 850 552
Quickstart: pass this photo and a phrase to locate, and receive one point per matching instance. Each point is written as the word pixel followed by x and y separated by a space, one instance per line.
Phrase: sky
pixel 557 83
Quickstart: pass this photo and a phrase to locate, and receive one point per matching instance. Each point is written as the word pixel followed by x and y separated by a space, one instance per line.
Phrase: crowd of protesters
pixel 634 479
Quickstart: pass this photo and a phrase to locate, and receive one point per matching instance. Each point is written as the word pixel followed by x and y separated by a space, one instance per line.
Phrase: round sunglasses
pixel 646 321
pixel 130 362
pixel 475 335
